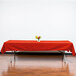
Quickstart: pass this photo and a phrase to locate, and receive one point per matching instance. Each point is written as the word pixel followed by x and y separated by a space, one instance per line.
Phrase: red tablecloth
pixel 32 45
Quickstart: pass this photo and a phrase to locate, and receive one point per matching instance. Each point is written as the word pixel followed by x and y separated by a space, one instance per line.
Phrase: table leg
pixel 11 57
pixel 14 56
pixel 63 57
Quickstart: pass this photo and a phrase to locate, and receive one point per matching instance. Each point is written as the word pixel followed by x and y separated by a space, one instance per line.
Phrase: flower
pixel 37 37
pixel 40 36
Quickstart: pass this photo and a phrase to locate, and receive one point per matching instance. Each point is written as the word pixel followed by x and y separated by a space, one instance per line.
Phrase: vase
pixel 38 40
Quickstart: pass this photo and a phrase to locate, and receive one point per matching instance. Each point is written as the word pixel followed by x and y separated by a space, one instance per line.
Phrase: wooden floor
pixel 37 65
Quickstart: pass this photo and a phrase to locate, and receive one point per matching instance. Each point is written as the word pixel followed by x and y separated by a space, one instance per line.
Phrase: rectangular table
pixel 33 45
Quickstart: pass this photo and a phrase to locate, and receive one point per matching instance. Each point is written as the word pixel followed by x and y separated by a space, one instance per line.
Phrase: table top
pixel 35 41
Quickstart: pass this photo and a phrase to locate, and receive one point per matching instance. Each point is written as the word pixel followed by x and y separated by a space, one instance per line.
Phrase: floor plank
pixel 37 65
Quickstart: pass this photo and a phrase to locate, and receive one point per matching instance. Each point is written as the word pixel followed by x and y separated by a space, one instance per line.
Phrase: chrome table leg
pixel 14 56
pixel 63 56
